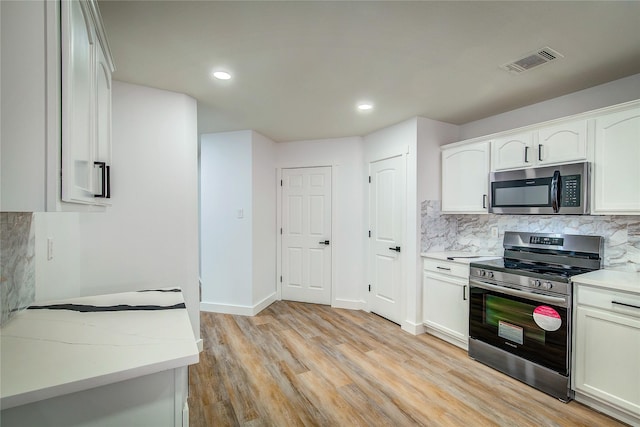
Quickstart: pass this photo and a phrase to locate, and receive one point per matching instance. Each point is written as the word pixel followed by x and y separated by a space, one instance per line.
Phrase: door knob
pixel 324 242
pixel 397 249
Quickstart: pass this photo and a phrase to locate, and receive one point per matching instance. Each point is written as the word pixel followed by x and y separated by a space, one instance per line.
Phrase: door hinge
pixel 280 183
pixel 281 231
pixel 280 279
pixel 369 233
pixel 369 179
pixel 369 288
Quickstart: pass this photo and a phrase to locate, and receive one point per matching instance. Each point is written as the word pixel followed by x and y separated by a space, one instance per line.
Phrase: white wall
pixel 238 259
pixel 344 155
pixel 226 240
pixel 264 219
pixel 611 93
pixel 149 237
pixel 420 140
pixel 392 141
pixel 431 135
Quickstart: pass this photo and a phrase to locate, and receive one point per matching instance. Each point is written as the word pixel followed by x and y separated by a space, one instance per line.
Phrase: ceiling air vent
pixel 532 60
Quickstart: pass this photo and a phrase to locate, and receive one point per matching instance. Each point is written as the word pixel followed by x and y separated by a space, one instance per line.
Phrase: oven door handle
pixel 516 293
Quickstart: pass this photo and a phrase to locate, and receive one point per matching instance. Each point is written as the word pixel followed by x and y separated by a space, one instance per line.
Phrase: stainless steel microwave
pixel 562 189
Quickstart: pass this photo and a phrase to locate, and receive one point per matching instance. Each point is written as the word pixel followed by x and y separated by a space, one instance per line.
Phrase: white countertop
pixel 611 279
pixel 51 352
pixel 463 256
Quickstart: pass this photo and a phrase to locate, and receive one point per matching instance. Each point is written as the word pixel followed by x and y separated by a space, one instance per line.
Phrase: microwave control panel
pixel 570 191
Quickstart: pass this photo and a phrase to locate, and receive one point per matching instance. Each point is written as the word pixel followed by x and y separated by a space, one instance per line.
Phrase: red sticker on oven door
pixel 547 318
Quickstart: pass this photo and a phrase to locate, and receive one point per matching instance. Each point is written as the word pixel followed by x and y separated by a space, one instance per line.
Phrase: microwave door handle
pixel 556 182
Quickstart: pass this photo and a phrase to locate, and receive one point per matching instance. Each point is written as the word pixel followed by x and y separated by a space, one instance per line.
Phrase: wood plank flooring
pixel 304 364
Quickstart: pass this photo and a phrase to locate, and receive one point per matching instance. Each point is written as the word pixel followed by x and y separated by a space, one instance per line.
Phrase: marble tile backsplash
pixel 472 233
pixel 17 263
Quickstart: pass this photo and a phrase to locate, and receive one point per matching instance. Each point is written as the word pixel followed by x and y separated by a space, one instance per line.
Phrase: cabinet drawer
pixel 610 300
pixel 448 268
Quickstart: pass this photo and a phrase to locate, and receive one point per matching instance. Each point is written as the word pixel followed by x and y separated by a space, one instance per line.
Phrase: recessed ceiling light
pixel 222 75
pixel 365 106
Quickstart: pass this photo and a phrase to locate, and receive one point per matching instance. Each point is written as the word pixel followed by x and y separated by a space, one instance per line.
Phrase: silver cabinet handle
pixel 624 304
pixel 526 154
pixel 443 268
pixel 540 152
pixel 464 293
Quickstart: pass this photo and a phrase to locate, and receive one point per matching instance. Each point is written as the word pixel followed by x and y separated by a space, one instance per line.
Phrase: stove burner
pixel 544 269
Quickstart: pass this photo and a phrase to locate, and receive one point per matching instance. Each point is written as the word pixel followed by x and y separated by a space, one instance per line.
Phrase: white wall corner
pixel 266 302
pixel 239 310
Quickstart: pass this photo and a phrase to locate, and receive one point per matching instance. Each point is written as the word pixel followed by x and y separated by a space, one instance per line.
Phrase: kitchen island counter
pixel 61 347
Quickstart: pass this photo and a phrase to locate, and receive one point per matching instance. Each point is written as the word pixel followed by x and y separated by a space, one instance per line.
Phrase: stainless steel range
pixel 520 307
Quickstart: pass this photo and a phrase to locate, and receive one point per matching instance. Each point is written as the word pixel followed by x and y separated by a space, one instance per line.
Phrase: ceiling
pixel 300 67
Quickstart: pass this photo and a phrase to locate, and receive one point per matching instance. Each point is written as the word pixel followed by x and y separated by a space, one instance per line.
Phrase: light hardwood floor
pixel 305 364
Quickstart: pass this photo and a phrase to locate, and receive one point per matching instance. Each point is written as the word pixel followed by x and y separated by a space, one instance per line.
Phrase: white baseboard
pixel 609 409
pixel 413 328
pixel 348 304
pixel 241 310
pixel 264 304
pixel 448 338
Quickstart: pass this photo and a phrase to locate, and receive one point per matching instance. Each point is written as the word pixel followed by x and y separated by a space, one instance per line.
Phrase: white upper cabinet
pixel 86 107
pixel 465 178
pixel 562 143
pixel 548 145
pixel 56 107
pixel 513 151
pixel 616 168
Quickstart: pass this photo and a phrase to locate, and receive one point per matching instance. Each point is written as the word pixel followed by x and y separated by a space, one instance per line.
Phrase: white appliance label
pixel 510 332
pixel 547 318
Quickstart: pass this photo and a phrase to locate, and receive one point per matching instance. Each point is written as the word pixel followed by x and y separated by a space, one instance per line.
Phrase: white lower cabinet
pixel 445 301
pixel 607 352
pixel 158 400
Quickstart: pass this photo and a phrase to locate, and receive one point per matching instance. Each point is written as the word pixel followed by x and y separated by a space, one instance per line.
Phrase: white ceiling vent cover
pixel 532 60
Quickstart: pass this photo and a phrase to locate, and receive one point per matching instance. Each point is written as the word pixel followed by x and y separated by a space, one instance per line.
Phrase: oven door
pixel 532 326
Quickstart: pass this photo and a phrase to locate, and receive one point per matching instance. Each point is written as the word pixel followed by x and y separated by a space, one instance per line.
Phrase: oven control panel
pixel 501 278
pixel 536 283
pixel 547 241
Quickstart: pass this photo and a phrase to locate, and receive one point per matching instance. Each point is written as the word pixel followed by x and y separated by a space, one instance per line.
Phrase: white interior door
pixel 306 235
pixel 387 220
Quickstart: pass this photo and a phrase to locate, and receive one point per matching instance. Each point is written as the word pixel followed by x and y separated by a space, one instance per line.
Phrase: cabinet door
pixel 103 122
pixel 562 143
pixel 616 175
pixel 446 306
pixel 513 151
pixel 465 178
pixel 78 56
pixel 607 346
